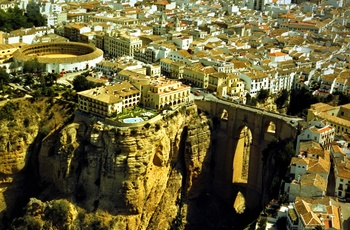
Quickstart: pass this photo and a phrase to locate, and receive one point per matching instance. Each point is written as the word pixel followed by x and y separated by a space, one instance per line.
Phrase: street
pixel 67 78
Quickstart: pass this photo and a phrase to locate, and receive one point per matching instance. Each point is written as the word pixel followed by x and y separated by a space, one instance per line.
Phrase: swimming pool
pixel 132 120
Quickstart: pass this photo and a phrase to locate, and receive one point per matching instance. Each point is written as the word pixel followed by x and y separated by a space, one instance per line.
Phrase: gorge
pixel 77 172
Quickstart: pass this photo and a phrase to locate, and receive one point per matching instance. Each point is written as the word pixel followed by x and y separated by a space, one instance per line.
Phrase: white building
pixel 27 35
pixel 318 132
pixel 255 81
pixel 183 42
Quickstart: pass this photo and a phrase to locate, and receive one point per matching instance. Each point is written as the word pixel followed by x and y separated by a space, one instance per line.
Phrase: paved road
pixel 67 78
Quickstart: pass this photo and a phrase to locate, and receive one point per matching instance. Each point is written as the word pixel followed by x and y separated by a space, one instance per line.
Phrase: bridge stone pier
pixel 231 119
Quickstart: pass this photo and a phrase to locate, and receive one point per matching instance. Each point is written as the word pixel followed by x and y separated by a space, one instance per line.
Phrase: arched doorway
pixel 241 156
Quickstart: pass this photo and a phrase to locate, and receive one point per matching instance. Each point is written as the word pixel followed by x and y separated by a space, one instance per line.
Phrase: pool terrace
pixel 136 112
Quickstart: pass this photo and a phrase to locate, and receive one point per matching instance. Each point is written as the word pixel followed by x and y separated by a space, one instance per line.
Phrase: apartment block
pixel 73 31
pixel 106 100
pixel 121 45
pixel 198 75
pixel 317 132
pixel 162 92
pixel 336 116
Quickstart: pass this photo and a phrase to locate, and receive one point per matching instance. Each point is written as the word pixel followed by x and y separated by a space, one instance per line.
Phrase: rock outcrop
pixel 141 176
pixel 23 123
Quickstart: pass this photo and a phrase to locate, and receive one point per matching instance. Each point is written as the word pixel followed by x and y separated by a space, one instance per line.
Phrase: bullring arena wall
pixel 58 57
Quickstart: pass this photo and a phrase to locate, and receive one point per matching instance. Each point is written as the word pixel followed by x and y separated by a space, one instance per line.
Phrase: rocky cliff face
pixel 22 123
pixel 141 176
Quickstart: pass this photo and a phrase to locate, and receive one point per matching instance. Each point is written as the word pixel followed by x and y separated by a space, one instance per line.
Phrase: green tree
pixel 33 15
pixel 4 78
pixel 7 111
pixel 51 78
pixel 276 159
pixel 13 19
pixel 282 99
pixel 28 79
pixel 13 66
pixel 300 101
pixel 342 98
pixel 250 100
pixel 69 95
pixel 33 66
pixel 58 213
pixel 263 94
pixel 80 83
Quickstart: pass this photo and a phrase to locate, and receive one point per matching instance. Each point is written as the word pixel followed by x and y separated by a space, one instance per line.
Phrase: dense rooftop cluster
pixel 271 45
pixel 233 48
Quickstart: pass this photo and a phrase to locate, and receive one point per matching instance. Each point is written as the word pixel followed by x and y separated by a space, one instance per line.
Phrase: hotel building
pixel 107 100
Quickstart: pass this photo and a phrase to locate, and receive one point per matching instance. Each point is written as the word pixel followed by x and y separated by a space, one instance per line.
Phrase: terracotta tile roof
pixel 184 53
pixel 162 3
pixel 319 166
pixel 239 64
pixel 318 211
pixel 311 219
pixel 343 170
pixel 321 107
pixel 209 70
pixel 325 129
pixel 337 149
pixel 299 161
pixel 111 93
pixel 313 180
pixel 305 146
pixel 329 77
pixel 166 60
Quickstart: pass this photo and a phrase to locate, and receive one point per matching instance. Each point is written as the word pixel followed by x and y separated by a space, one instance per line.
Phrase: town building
pixel 317 132
pixel 5 5
pixel 342 180
pixel 121 45
pixel 336 116
pixel 26 35
pixel 161 92
pixel 309 186
pixel 198 75
pixel 73 31
pixel 311 213
pixel 108 100
pixel 255 81
pixel 6 50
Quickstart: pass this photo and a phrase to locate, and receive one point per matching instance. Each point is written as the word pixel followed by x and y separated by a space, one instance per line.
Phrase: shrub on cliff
pixel 58 213
pixel 6 112
pixel 29 222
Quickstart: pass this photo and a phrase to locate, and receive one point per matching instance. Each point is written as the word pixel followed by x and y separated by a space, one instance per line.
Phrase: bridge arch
pixel 228 138
pixel 241 155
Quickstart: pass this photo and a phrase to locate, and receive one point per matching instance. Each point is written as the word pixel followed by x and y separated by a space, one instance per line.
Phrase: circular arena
pixel 59 57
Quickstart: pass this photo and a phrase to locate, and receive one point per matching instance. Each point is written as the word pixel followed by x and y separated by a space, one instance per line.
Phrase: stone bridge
pixel 230 142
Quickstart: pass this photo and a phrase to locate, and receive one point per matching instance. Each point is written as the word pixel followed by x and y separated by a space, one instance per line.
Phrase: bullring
pixel 63 56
